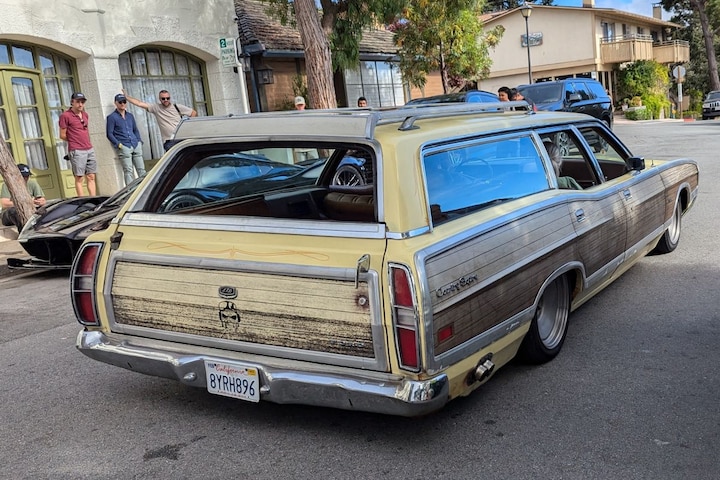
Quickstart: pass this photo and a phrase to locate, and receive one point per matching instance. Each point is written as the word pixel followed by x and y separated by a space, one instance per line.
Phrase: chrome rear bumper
pixel 281 381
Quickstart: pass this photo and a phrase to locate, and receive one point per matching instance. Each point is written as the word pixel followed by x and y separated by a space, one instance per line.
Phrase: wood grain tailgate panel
pixel 305 313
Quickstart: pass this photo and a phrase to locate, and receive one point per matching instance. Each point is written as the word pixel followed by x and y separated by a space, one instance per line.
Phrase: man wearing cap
pixel 9 212
pixel 74 130
pixel 123 133
pixel 299 103
pixel 167 114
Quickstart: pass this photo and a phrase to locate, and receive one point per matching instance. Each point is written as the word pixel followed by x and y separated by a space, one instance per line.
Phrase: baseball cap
pixel 120 98
pixel 78 96
pixel 299 101
pixel 24 170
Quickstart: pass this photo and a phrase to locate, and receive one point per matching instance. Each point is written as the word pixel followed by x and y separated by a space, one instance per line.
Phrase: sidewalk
pixel 9 249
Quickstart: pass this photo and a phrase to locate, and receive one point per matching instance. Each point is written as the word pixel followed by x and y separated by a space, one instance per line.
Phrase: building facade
pixel 98 47
pixel 582 41
pixel 274 60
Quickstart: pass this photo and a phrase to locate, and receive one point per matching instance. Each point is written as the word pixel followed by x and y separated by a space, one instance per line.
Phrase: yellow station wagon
pixel 384 261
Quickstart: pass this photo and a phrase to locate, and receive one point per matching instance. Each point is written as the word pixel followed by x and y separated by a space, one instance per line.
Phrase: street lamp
pixel 526 11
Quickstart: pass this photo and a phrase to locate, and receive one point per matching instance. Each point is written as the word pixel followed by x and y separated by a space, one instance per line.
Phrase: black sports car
pixel 54 234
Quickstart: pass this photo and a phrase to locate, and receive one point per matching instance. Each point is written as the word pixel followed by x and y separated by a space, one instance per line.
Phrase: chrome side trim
pixel 228 223
pixel 378 363
pixel 281 381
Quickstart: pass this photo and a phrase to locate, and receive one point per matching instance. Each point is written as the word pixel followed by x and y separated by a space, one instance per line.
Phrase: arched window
pixel 147 70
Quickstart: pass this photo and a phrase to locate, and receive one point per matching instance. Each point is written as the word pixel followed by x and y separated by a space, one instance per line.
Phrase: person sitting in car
pixel 556 158
pixel 9 211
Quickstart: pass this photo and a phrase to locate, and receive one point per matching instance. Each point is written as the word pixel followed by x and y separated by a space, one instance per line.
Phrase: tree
pixel 500 5
pixel 331 37
pixel 700 10
pixel 447 36
pixel 15 182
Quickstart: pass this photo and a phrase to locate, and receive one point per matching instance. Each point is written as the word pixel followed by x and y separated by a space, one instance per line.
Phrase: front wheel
pixel 549 325
pixel 671 238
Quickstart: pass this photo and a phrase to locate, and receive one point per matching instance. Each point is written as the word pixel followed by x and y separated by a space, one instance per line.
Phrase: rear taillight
pixel 405 318
pixel 82 284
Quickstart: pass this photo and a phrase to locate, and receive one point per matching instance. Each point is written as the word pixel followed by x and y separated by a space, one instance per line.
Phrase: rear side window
pixel 463 180
pixel 597 89
pixel 576 88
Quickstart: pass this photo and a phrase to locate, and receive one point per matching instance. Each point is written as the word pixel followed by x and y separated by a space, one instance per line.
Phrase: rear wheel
pixel 348 175
pixel 549 325
pixel 671 237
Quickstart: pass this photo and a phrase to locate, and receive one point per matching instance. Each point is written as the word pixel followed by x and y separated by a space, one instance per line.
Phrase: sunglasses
pixel 122 101
pixel 83 123
pixel 164 98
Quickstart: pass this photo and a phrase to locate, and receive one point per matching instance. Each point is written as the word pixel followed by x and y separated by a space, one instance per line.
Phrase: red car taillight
pixel 82 284
pixel 405 319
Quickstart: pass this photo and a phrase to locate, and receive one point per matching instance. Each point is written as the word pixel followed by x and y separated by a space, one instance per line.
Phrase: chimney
pixel 588 3
pixel 657 11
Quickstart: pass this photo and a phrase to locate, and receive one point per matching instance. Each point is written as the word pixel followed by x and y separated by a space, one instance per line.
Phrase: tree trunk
pixel 318 60
pixel 16 183
pixel 699 6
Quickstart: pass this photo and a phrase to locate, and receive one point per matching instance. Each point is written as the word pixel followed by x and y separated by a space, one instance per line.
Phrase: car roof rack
pixel 340 122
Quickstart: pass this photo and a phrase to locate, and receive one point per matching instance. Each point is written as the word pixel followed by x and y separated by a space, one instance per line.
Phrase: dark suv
pixel 580 95
pixel 470 96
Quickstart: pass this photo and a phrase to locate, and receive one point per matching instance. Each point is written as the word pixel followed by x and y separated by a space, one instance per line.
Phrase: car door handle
pixel 579 214
pixel 627 194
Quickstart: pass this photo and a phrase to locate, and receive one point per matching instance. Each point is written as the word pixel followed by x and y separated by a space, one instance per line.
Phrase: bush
pixel 655 103
pixel 637 113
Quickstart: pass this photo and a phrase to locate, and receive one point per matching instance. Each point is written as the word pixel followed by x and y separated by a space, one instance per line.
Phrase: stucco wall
pixel 96 32
pixel 568 40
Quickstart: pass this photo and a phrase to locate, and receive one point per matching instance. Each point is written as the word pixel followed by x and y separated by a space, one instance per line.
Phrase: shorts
pixel 83 162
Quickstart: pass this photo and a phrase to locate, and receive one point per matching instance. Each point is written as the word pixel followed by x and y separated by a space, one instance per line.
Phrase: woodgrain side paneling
pixel 600 224
pixel 305 313
pixel 646 209
pixel 489 278
pixel 673 178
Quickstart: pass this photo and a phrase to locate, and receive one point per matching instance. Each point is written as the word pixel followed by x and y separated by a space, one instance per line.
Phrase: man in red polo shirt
pixel 74 130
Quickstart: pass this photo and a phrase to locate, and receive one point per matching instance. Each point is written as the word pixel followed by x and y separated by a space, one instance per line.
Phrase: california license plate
pixel 232 380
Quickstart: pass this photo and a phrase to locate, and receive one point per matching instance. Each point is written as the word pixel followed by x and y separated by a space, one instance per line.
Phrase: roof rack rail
pixel 422 111
pixel 339 122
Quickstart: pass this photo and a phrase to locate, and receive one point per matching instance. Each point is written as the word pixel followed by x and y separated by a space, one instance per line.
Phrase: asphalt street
pixel 633 395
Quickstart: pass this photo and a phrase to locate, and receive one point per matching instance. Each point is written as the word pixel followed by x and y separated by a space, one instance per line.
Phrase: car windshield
pixel 540 93
pixel 713 96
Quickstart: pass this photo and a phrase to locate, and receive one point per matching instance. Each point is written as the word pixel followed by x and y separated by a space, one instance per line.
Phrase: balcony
pixel 631 48
pixel 671 51
pixel 628 48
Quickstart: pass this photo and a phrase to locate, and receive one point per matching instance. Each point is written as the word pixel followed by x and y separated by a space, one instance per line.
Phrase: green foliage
pixel 638 114
pixel 344 22
pixel 654 103
pixel 499 5
pixel 444 35
pixel 643 77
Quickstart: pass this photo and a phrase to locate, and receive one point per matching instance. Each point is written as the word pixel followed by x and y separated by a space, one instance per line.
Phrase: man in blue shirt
pixel 124 135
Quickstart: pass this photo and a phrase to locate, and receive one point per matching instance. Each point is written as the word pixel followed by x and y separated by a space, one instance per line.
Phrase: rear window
pixel 463 180
pixel 540 93
pixel 303 181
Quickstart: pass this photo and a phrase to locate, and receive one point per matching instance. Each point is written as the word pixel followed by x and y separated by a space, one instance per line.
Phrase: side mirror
pixel 636 163
pixel 574 97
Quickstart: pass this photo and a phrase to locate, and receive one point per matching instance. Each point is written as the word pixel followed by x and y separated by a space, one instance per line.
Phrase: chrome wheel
pixel 549 325
pixel 671 238
pixel 349 176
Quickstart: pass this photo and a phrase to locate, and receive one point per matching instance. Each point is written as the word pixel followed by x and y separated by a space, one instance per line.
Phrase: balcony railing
pixel 671 51
pixel 631 48
pixel 627 48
